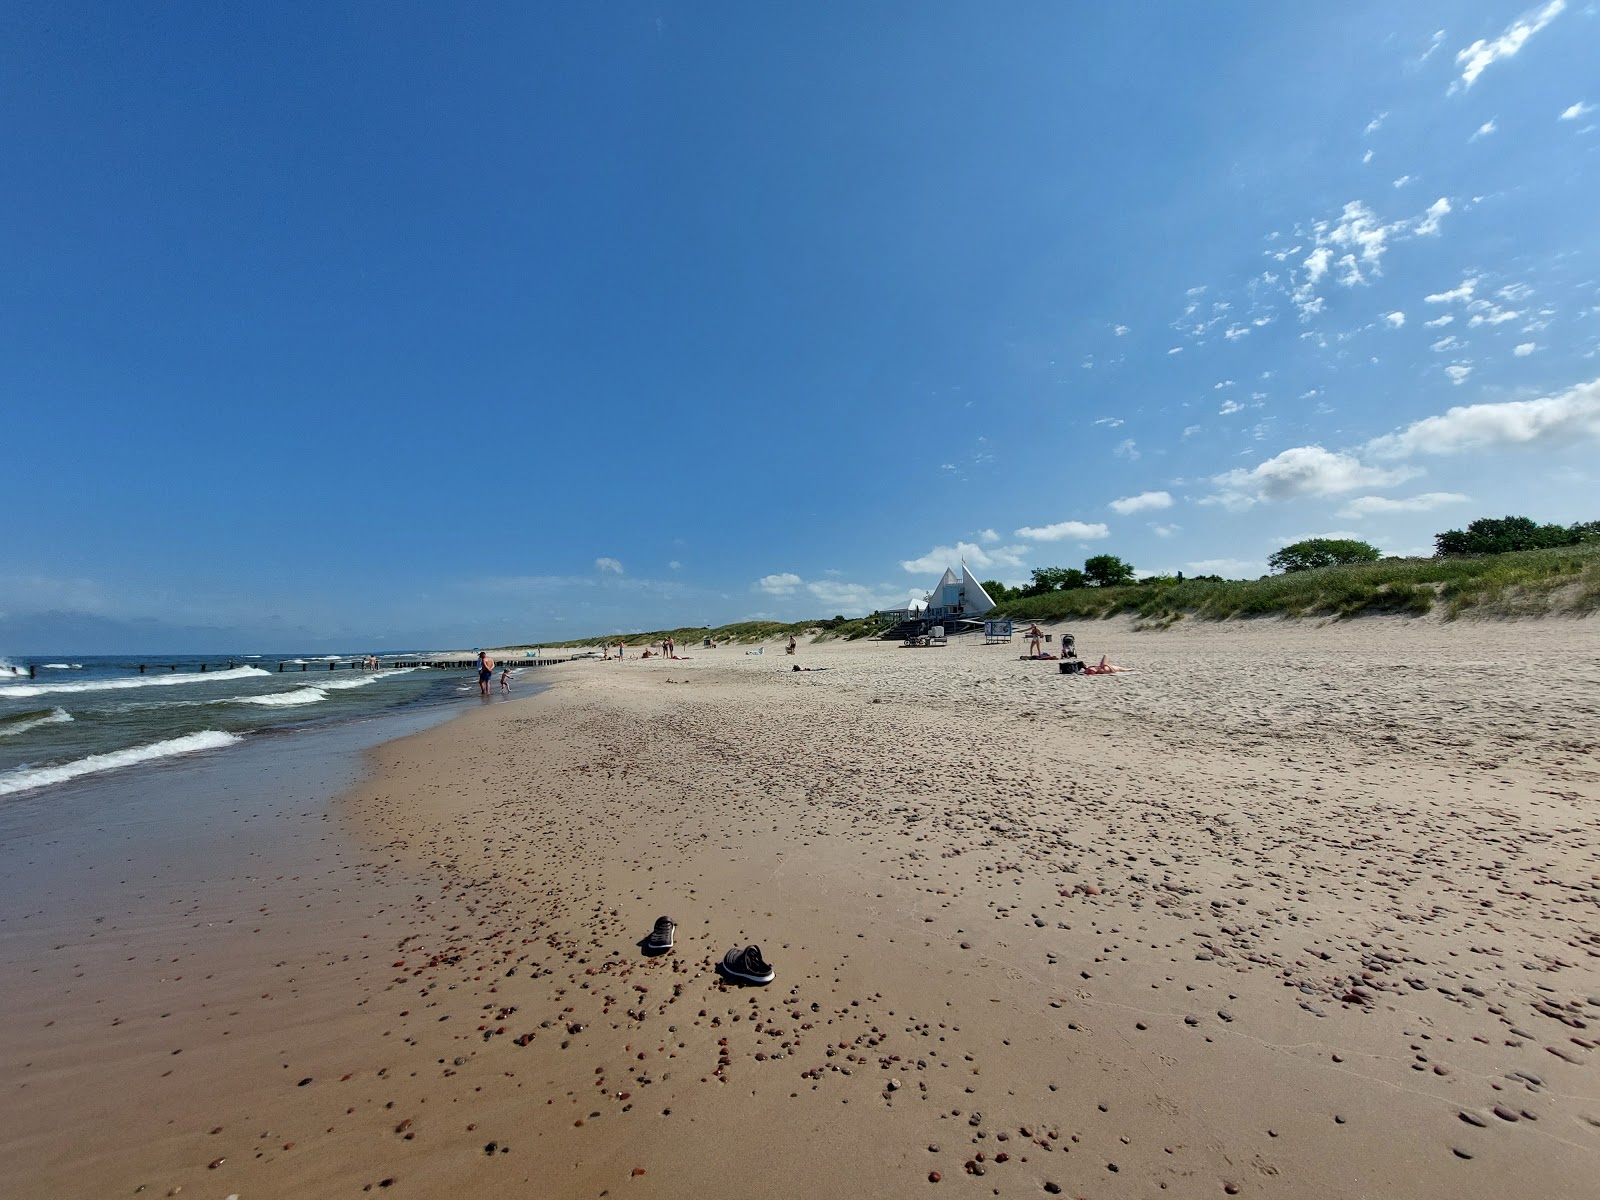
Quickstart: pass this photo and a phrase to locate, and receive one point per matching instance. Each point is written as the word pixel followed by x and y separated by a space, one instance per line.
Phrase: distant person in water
pixel 485 672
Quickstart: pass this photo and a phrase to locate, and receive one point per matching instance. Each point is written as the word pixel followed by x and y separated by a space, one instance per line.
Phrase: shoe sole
pixel 732 974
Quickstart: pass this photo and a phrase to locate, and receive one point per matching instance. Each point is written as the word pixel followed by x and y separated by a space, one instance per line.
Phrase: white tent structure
pixel 958 596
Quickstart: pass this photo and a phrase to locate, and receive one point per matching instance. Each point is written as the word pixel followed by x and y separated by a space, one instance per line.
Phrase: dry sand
pixel 1291 911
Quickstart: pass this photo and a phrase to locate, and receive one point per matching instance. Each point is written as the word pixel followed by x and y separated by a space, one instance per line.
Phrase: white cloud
pixel 1557 420
pixel 1121 330
pixel 1374 124
pixel 1108 422
pixel 1439 322
pixel 1229 407
pixel 1478 56
pixel 1127 449
pixel 1366 506
pixel 1494 316
pixel 1484 130
pixel 977 558
pixel 1402 181
pixel 1142 502
pixel 1580 109
pixel 1190 430
pixel 1176 350
pixel 1458 373
pixel 1063 531
pixel 1444 345
pixel 1165 531
pixel 1395 319
pixel 988 535
pixel 1429 225
pixel 608 566
pixel 1524 349
pixel 1300 471
pixel 1316 264
pixel 1438 37
pixel 779 585
pixel 674 565
pixel 859 597
pixel 1463 291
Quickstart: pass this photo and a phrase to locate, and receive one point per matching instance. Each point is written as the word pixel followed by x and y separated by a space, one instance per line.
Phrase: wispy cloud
pixel 1572 113
pixel 1476 58
pixel 1484 130
pixel 1064 531
pixel 1463 291
pixel 1394 320
pixel 1143 502
pixel 1367 506
pixel 608 566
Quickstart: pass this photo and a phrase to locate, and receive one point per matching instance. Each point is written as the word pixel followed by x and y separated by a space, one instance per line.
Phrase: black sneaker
pixel 747 964
pixel 660 938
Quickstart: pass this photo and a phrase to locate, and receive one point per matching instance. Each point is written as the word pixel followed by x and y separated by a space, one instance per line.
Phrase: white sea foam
pixel 35 777
pixel 63 666
pixel 57 717
pixel 305 695
pixel 340 685
pixel 134 681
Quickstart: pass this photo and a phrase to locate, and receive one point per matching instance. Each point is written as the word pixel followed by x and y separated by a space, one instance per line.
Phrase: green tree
pixel 1054 579
pixel 1322 552
pixel 1106 570
pixel 999 592
pixel 1501 535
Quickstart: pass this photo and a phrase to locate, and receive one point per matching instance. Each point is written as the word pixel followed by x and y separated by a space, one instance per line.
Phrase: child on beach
pixel 505 679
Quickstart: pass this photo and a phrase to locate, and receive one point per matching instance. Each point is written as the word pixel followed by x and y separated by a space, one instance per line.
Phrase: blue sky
pixel 384 326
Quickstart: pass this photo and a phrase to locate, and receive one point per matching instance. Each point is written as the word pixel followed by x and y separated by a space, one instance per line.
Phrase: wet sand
pixel 1290 911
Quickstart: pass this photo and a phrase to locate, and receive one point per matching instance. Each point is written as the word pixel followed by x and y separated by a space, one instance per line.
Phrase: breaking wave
pixel 305 695
pixel 22 722
pixel 137 681
pixel 35 777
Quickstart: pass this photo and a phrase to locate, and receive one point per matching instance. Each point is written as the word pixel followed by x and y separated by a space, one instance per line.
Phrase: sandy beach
pixel 1292 909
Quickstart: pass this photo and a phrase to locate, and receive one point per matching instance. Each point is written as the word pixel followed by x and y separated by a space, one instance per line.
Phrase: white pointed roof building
pixel 958 595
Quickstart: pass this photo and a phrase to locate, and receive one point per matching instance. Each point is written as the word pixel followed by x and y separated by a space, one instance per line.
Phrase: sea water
pixel 89 715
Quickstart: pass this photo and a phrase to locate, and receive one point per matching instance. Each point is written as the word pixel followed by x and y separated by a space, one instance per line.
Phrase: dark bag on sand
pixel 1071 666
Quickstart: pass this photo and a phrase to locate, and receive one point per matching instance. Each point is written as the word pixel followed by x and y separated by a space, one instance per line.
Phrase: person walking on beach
pixel 1034 636
pixel 505 679
pixel 485 672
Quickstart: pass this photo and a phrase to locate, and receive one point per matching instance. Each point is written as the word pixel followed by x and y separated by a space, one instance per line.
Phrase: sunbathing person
pixel 1103 667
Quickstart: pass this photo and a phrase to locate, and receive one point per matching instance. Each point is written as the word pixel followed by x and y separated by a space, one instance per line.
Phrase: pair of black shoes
pixel 745 965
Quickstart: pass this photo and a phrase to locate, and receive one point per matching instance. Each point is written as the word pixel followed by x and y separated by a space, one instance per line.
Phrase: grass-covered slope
pixel 1529 583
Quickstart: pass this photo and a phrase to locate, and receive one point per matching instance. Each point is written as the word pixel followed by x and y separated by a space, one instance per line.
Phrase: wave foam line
pixel 305 695
pixel 26 721
pixel 37 777
pixel 140 681
pixel 363 680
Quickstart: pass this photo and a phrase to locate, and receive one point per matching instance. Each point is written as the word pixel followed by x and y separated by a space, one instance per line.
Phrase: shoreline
pixel 1004 891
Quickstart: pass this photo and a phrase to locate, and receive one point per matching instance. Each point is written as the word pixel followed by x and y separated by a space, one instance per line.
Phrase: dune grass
pixel 1563 581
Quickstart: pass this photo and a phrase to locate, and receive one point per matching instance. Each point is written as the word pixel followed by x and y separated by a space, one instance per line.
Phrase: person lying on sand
pixel 1104 667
